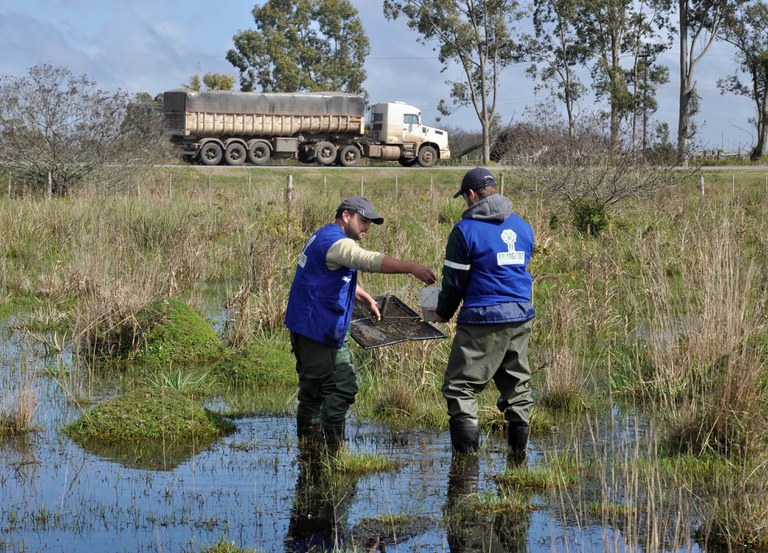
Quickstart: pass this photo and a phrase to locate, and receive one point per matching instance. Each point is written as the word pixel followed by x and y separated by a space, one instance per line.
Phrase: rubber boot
pixel 310 436
pixel 517 442
pixel 334 438
pixel 465 436
pixel 307 430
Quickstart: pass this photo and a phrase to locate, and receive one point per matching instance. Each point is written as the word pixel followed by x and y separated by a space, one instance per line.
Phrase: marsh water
pixel 251 488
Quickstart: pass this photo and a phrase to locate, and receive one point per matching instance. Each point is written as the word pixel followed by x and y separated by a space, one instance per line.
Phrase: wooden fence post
pixel 289 193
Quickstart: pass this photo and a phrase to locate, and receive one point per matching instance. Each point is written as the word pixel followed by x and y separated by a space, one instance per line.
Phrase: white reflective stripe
pixel 458 266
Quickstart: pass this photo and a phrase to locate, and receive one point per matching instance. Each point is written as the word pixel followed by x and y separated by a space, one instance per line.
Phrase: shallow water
pixel 248 488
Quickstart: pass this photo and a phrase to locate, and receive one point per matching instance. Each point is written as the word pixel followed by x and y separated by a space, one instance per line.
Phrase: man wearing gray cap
pixel 485 270
pixel 320 304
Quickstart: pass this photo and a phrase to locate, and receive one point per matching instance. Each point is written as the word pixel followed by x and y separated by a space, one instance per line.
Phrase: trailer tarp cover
pixel 275 103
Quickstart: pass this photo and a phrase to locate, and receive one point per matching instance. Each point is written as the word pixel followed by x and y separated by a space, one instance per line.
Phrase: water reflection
pixel 319 515
pixel 471 531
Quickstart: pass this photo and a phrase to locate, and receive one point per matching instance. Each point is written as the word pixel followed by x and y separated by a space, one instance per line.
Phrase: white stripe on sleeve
pixel 458 266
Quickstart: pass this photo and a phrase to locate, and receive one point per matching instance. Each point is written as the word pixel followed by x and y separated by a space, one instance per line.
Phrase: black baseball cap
pixel 363 206
pixel 476 178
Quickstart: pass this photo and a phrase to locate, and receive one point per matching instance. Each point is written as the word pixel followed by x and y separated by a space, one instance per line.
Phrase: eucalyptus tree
pixel 614 31
pixel 302 45
pixel 699 23
pixel 475 34
pixel 747 30
pixel 212 81
pixel 555 51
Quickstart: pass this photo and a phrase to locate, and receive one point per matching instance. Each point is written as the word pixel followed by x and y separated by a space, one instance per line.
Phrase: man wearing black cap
pixel 319 310
pixel 485 270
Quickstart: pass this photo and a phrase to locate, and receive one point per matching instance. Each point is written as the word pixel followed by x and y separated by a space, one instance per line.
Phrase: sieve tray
pixel 398 323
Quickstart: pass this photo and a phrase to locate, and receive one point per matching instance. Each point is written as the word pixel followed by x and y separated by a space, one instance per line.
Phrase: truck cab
pixel 398 124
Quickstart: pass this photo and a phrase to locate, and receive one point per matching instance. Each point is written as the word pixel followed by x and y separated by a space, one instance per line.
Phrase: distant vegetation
pixel 655 308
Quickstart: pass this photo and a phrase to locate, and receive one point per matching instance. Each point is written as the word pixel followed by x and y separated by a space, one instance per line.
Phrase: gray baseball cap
pixel 363 206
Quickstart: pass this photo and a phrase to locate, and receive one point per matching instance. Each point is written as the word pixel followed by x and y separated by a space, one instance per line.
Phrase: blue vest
pixel 321 301
pixel 499 254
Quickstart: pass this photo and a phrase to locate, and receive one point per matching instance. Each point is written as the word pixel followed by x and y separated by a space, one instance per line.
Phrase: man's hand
pixel 423 273
pixel 374 307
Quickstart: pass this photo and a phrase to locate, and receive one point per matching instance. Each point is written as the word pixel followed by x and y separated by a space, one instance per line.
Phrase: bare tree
pixel 61 129
pixel 584 169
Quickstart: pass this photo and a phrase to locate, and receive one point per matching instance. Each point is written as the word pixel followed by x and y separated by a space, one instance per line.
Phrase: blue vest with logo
pixel 500 254
pixel 321 301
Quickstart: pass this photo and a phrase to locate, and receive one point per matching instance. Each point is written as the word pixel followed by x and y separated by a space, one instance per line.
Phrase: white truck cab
pixel 399 124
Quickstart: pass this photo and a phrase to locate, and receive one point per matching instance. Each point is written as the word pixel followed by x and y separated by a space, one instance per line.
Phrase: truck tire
pixel 259 153
pixel 325 153
pixel 235 153
pixel 427 156
pixel 349 155
pixel 407 162
pixel 211 153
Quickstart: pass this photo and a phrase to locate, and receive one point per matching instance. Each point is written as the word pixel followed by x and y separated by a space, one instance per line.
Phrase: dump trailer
pixel 314 127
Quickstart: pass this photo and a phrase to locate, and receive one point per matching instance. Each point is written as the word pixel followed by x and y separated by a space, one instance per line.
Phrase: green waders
pixel 479 354
pixel 327 387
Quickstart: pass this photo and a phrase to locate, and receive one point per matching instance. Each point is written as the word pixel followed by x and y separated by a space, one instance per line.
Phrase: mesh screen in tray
pixel 398 323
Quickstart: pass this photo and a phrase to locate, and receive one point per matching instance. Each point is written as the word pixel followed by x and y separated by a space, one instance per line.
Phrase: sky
pixel 152 46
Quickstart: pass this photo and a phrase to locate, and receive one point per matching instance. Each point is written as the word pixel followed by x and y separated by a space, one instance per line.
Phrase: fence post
pixel 733 185
pixel 397 193
pixel 362 186
pixel 431 186
pixel 289 193
pixel 50 185
pixel 502 184
pixel 9 184
pixel 701 184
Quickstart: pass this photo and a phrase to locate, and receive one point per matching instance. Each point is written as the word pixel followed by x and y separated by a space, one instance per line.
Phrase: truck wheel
pixel 235 154
pixel 349 155
pixel 211 154
pixel 427 156
pixel 325 153
pixel 407 162
pixel 259 153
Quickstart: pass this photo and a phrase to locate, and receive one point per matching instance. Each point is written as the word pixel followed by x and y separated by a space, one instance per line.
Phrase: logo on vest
pixel 511 257
pixel 303 254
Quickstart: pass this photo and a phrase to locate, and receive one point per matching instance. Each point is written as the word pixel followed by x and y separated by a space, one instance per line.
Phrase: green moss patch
pixel 259 364
pixel 174 333
pixel 163 332
pixel 149 414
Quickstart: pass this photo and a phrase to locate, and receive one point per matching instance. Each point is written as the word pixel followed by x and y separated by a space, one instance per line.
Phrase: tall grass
pixel 664 311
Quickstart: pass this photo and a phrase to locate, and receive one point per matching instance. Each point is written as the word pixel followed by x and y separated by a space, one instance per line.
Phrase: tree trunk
pixel 683 111
pixel 762 127
pixel 486 142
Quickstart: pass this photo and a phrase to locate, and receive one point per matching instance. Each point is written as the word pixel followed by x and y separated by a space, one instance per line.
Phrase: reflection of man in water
pixel 470 531
pixel 320 507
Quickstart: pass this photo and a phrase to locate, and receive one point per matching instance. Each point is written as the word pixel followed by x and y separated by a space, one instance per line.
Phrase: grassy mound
pixel 174 333
pixel 258 364
pixel 148 414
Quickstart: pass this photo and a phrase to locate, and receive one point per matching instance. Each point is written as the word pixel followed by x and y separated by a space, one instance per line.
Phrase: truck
pixel 328 128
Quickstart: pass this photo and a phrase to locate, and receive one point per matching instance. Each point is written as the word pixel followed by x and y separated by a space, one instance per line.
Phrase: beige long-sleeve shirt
pixel 346 253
